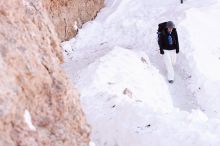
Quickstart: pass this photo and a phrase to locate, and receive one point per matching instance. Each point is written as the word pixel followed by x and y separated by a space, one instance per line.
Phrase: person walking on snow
pixel 169 48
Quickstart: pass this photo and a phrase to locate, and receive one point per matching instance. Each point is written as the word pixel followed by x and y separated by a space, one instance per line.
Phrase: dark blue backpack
pixel 161 29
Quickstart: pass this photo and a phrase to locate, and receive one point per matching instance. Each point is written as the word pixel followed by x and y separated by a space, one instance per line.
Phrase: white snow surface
pixel 92 143
pixel 28 121
pixel 114 62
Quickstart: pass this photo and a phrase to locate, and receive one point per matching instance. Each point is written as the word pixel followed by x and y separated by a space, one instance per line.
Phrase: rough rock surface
pixel 31 81
pixel 68 15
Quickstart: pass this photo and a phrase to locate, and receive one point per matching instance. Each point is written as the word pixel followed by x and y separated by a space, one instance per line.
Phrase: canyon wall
pixel 38 106
pixel 69 15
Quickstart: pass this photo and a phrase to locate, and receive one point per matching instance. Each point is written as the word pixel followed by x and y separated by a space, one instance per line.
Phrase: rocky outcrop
pixel 69 15
pixel 38 106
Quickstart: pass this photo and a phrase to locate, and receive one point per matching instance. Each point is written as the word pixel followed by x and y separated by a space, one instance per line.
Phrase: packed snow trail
pixel 182 97
pixel 115 63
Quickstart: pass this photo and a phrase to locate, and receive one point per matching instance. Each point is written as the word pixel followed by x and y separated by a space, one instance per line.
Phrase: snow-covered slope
pixel 115 63
pixel 203 51
pixel 128 77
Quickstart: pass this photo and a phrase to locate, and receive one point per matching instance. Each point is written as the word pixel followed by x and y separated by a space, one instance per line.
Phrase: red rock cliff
pixel 38 106
pixel 67 15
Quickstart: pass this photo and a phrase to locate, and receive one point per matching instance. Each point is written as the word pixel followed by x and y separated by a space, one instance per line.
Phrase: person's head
pixel 170 26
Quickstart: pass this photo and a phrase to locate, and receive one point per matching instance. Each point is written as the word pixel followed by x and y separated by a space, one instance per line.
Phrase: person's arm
pixel 177 43
pixel 161 51
pixel 162 43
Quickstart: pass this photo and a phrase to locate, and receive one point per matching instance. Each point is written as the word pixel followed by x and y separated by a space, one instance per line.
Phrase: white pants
pixel 170 60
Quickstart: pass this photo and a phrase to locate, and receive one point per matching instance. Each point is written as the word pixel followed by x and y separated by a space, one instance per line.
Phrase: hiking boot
pixel 170 81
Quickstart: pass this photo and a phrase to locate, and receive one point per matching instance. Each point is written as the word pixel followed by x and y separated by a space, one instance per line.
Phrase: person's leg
pixel 173 57
pixel 168 64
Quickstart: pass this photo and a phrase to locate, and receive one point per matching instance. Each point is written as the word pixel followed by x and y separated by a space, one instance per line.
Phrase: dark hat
pixel 170 24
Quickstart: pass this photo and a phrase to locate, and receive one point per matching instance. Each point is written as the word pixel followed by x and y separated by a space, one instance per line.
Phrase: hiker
pixel 169 47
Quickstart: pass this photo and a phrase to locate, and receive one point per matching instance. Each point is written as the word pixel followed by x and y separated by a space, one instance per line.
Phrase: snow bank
pixel 122 71
pixel 142 114
pixel 203 36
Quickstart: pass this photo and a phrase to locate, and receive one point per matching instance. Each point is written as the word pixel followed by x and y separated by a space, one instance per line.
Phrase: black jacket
pixel 164 41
